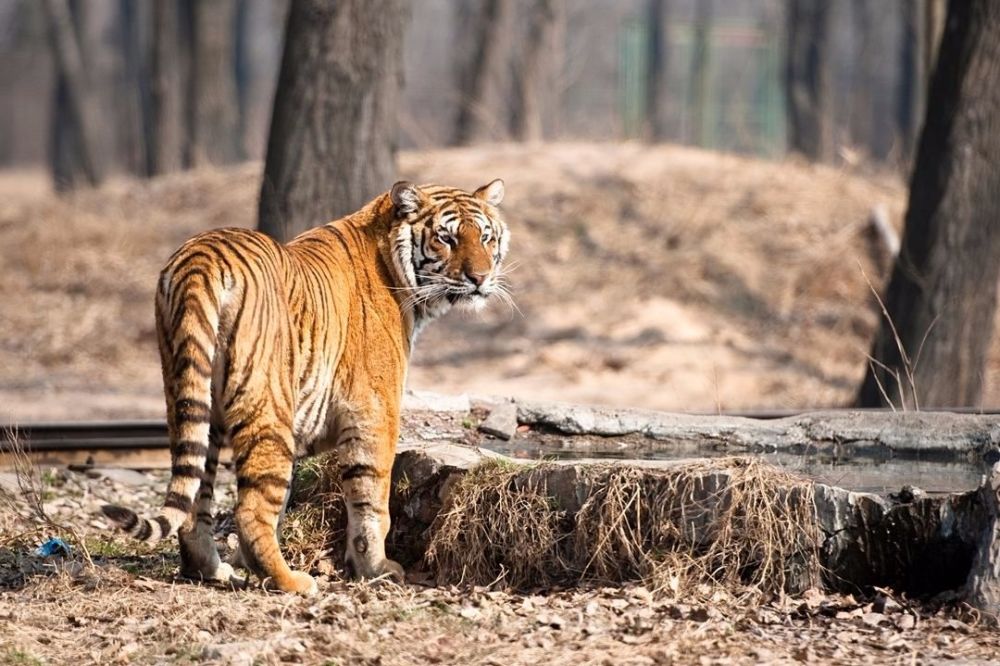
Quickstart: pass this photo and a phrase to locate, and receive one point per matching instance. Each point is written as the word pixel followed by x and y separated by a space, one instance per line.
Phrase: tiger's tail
pixel 187 350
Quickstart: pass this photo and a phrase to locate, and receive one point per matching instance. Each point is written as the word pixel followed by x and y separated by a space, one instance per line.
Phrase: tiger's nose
pixel 476 278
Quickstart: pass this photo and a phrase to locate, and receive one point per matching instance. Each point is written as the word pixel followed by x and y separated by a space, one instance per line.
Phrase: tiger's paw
pixel 222 573
pixel 386 570
pixel 296 582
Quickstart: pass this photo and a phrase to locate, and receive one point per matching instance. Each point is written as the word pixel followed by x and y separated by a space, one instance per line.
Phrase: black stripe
pixel 189 471
pixel 124 518
pixel 269 480
pixel 145 531
pixel 189 447
pixel 177 501
pixel 358 470
pixel 361 505
pixel 164 525
pixel 192 411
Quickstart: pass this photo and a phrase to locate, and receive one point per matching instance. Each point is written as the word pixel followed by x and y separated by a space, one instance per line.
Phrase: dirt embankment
pixel 661 277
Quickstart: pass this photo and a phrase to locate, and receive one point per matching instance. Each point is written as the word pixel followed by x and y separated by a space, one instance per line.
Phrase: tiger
pixel 283 351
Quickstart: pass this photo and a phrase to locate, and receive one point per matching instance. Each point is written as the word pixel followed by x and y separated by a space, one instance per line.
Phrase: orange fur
pixel 289 350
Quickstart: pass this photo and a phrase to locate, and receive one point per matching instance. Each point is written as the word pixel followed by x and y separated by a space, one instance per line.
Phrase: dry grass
pixel 738 523
pixel 313 530
pixel 23 516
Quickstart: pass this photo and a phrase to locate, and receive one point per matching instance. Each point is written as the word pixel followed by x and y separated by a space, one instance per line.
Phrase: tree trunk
pixel 699 72
pixel 910 95
pixel 486 62
pixel 534 81
pixel 982 589
pixel 73 134
pixel 212 114
pixel 165 128
pixel 134 107
pixel 807 78
pixel 863 80
pixel 332 145
pixel 658 20
pixel 942 295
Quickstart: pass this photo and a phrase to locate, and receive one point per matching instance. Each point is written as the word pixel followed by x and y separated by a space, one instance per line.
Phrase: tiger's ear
pixel 491 193
pixel 407 198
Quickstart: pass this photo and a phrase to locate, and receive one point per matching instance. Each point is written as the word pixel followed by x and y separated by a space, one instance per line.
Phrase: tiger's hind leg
pixel 263 451
pixel 366 478
pixel 199 556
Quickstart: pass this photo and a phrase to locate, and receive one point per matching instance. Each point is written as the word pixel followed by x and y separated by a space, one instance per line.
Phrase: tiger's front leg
pixel 366 474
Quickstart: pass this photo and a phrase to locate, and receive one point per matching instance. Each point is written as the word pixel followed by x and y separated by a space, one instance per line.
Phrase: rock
pixel 501 422
pixel 894 431
pixel 126 477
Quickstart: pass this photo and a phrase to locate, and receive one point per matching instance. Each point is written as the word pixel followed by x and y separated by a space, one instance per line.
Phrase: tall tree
pixel 910 95
pixel 212 116
pixel 535 77
pixel 807 78
pixel 166 122
pixel 699 75
pixel 942 294
pixel 486 61
pixel 74 112
pixel 658 20
pixel 863 75
pixel 332 144
pixel 133 107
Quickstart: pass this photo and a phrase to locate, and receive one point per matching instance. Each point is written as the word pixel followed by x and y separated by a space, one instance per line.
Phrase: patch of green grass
pixel 111 547
pixel 50 478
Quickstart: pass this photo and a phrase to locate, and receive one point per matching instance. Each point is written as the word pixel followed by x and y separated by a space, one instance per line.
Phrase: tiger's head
pixel 449 245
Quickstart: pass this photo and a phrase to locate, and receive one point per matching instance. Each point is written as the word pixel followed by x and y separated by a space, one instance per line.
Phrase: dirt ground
pixel 127 607
pixel 663 277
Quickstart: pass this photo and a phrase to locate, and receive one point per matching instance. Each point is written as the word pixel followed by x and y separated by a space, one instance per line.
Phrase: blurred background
pixel 707 199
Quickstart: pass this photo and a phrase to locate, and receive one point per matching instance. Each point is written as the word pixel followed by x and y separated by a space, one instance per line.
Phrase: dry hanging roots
pixel 735 522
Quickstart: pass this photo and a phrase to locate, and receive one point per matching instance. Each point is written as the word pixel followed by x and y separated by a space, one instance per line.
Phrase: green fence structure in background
pixel 741 105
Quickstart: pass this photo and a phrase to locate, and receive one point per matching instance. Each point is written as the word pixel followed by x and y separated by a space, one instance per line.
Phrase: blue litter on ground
pixel 52 547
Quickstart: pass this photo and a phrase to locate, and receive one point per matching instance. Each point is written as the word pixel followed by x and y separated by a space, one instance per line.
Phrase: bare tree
pixel 863 79
pixel 166 122
pixel 73 133
pixel 535 79
pixel 658 20
pixel 699 74
pixel 910 95
pixel 807 78
pixel 941 298
pixel 489 54
pixel 332 142
pixel 133 108
pixel 212 117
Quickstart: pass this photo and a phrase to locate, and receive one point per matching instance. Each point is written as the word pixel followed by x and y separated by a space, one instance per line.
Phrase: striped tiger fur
pixel 288 350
